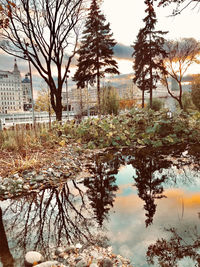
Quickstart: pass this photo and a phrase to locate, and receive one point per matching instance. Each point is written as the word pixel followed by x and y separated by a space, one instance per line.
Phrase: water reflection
pixel 50 217
pixel 180 248
pixel 102 187
pixel 153 169
pixel 149 183
pixel 5 254
pixel 73 211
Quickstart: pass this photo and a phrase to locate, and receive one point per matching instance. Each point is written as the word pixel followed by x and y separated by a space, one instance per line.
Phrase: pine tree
pixel 149 53
pixel 96 51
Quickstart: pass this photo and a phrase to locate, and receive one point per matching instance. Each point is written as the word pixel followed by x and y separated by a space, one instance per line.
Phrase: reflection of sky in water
pixel 124 179
pixel 128 233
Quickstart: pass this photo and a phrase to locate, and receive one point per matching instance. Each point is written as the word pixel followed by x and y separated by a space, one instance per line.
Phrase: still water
pixel 145 203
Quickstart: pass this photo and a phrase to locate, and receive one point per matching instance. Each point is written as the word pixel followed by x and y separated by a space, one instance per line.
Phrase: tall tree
pixel 181 54
pixel 45 32
pixel 96 51
pixel 148 53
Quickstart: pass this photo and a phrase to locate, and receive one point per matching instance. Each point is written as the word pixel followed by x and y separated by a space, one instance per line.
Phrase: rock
pixel 79 258
pixel 58 251
pixel 94 265
pixel 39 178
pixel 94 254
pixel 26 187
pixel 78 246
pixel 2 187
pixel 70 249
pixel 49 264
pixel 50 171
pixel 16 175
pixel 25 172
pixel 81 263
pixel 20 180
pixel 32 257
pixel 107 263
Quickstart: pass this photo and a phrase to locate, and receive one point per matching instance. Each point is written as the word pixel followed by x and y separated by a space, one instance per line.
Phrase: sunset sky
pixel 125 17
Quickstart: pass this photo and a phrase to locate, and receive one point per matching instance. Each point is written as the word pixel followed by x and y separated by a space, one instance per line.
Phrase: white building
pixel 14 93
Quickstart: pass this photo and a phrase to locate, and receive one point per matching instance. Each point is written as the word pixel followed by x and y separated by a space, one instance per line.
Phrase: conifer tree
pixel 96 51
pixel 149 53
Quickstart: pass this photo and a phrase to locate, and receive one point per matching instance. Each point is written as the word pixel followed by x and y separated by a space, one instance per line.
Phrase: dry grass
pixel 23 149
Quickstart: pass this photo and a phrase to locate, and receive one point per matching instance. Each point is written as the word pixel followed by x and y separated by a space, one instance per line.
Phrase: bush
pixel 187 101
pixel 156 105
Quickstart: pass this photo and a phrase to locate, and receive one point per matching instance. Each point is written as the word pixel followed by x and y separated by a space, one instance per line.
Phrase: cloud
pixel 122 51
pixel 127 232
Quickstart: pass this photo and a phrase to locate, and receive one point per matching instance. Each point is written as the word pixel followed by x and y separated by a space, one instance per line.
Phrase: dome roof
pixel 26 80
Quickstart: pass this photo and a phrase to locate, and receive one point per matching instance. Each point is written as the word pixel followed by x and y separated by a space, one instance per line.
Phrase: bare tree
pixel 181 55
pixel 180 4
pixel 45 32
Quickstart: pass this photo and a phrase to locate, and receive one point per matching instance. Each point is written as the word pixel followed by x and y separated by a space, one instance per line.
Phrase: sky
pixel 126 19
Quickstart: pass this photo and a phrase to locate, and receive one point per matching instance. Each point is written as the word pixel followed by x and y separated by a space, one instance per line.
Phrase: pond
pixel 144 203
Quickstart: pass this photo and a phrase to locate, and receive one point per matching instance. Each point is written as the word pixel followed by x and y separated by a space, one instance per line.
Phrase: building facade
pixel 14 93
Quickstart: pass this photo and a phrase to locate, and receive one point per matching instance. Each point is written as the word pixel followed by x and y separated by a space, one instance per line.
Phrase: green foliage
pixel 138 127
pixel 143 127
pixel 156 104
pixel 196 92
pixel 188 104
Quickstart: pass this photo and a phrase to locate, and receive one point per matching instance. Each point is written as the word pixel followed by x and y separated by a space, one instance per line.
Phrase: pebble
pixel 81 263
pixel 70 164
pixel 107 263
pixel 32 257
pixel 90 256
pixel 50 264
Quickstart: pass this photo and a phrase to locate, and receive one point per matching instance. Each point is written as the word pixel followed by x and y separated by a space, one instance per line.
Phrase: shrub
pixel 156 105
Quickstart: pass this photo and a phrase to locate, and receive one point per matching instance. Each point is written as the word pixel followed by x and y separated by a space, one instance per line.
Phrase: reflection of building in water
pixel 14 93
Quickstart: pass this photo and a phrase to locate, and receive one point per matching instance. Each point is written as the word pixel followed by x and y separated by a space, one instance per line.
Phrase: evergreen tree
pixel 95 53
pixel 149 53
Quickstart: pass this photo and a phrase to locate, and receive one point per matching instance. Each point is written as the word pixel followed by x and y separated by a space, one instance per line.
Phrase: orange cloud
pixel 128 204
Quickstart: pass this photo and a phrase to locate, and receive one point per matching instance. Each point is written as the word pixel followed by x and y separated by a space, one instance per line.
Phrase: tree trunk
pixel 180 95
pixel 59 114
pixel 98 93
pixel 142 98
pixel 58 110
pixel 151 78
pixel 180 103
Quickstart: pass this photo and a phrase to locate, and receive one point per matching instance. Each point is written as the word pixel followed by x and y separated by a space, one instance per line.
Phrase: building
pixel 14 93
pixel 26 92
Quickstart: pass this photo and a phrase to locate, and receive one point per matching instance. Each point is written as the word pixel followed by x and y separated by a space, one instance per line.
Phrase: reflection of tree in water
pixel 153 169
pixel 101 187
pixel 5 255
pixel 148 181
pixel 48 218
pixel 169 252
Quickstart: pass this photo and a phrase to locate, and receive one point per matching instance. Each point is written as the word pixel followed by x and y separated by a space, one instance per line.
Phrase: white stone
pixel 49 264
pixel 78 246
pixel 33 257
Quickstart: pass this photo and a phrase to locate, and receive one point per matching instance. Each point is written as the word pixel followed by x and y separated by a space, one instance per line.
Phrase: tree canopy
pixel 181 54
